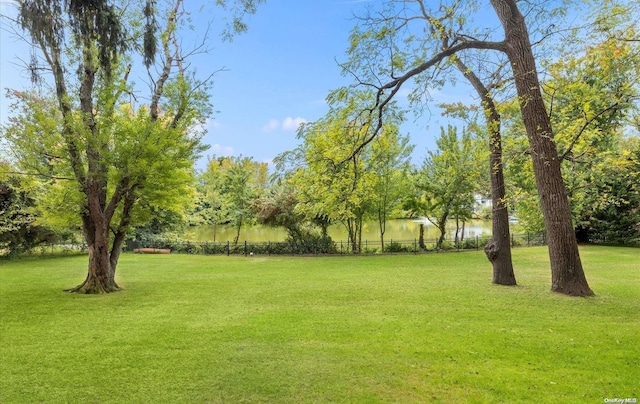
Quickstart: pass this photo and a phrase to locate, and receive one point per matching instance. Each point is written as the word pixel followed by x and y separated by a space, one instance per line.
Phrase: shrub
pixel 395 247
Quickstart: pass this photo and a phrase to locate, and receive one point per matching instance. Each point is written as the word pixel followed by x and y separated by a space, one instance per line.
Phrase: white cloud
pixel 220 150
pixel 272 125
pixel 292 124
pixel 288 124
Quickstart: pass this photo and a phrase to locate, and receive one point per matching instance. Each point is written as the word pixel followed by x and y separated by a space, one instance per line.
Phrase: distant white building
pixel 481 202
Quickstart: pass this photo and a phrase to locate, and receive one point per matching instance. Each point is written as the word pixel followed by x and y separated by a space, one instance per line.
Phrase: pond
pixel 397 229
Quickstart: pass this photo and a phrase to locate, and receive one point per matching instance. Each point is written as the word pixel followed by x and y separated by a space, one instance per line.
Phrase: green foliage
pixel 277 207
pixel 611 207
pixel 20 230
pixel 342 174
pixel 448 180
pixel 395 247
pixel 389 161
pixel 90 21
pixel 239 10
pixel 231 186
pixel 155 160
pixel 592 94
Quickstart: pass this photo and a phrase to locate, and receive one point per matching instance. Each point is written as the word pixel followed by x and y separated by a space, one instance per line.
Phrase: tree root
pixel 92 286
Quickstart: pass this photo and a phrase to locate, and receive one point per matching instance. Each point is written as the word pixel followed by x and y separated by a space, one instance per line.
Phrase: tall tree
pixel 339 185
pixel 498 250
pixel 567 275
pixel 447 180
pixel 591 94
pixel 389 161
pixel 329 186
pixel 232 184
pixel 115 153
pixel 242 185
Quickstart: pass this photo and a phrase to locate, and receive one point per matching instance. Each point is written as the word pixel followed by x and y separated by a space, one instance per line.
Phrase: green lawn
pixel 424 328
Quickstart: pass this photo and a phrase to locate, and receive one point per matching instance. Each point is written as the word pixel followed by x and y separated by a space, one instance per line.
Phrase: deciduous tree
pixel 115 153
pixel 394 64
pixel 448 180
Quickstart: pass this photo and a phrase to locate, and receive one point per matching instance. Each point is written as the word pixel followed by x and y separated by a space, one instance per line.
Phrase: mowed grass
pixel 425 328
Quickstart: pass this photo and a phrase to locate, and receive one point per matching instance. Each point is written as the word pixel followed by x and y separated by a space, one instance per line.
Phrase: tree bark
pixel 567 275
pixel 421 239
pixel 501 238
pixel 441 224
pixel 100 276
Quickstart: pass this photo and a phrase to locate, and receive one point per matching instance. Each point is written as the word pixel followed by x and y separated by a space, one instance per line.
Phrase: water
pixel 397 229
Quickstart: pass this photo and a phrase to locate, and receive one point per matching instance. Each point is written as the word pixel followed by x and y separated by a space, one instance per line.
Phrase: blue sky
pixel 277 75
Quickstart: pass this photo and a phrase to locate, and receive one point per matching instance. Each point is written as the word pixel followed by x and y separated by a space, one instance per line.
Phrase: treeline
pixel 310 189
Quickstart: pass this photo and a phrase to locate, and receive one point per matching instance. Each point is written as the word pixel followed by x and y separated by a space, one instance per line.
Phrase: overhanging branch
pixel 383 98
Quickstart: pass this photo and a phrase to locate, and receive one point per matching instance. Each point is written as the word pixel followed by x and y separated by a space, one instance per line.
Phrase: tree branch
pixel 584 127
pixel 394 86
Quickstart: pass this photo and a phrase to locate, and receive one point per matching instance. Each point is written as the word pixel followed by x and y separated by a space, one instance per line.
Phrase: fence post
pixel 228 248
pixel 340 247
pixel 415 246
pixel 245 248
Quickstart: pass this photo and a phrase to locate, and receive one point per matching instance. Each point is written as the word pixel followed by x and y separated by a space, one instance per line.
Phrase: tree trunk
pixel 441 225
pixel 498 251
pixel 382 222
pixel 567 275
pixel 120 234
pixel 100 275
pixel 359 224
pixel 238 227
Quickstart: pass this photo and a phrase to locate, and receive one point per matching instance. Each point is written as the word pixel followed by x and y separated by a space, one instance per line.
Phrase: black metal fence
pixel 287 248
pixel 337 247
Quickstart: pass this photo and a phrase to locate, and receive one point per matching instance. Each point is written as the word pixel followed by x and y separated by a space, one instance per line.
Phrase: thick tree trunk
pixel 100 275
pixel 567 275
